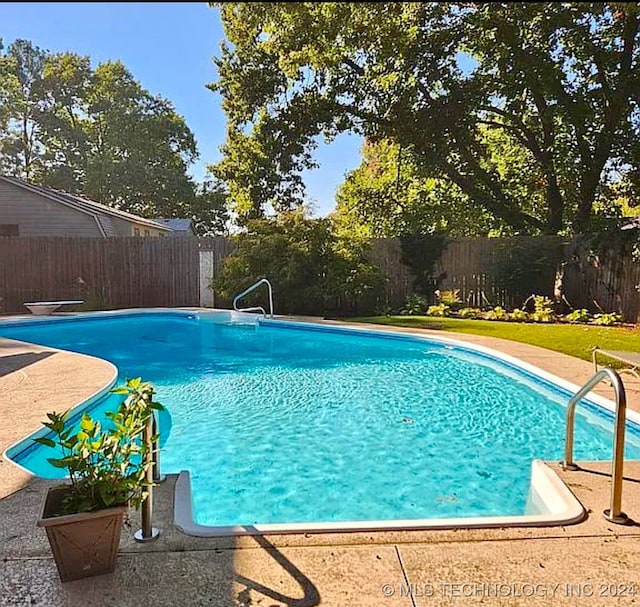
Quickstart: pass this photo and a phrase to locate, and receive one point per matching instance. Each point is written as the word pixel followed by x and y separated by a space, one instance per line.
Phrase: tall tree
pixel 140 147
pixel 65 122
pixel 209 210
pixel 6 91
pixel 110 139
pixel 561 79
pixel 95 132
pixel 21 92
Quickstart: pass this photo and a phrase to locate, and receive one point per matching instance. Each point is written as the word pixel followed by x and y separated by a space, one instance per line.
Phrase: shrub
pixel 415 305
pixel 606 320
pixel 543 309
pixel 581 315
pixel 388 311
pixel 470 313
pixel 439 310
pixel 497 313
pixel 519 315
pixel 449 298
pixel 420 252
pixel 312 270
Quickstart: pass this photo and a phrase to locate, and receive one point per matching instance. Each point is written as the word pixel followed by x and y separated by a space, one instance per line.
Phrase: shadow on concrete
pixel 15 362
pixel 311 596
pixel 631 522
pixel 175 570
pixel 607 474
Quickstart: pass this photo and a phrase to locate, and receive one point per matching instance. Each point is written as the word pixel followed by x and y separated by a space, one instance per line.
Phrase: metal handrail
pixel 614 514
pixel 253 287
pixel 155 429
pixel 147 532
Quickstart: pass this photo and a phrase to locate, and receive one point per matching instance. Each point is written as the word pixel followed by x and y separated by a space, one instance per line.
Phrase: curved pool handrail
pixel 253 287
pixel 614 514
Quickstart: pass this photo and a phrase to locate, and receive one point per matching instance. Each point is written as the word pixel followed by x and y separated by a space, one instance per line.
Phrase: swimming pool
pixel 282 422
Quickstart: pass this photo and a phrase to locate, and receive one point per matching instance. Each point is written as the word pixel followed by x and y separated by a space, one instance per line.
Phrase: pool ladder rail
pixel 253 287
pixel 614 513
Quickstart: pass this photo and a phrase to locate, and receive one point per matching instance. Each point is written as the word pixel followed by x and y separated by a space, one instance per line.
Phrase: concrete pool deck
pixel 591 563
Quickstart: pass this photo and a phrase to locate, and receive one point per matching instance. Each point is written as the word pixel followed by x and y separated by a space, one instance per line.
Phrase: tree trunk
pixel 555 204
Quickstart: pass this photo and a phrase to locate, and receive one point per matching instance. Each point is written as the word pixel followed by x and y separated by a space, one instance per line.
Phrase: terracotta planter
pixel 83 544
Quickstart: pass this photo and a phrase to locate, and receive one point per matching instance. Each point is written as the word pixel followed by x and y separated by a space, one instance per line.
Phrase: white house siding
pixel 38 216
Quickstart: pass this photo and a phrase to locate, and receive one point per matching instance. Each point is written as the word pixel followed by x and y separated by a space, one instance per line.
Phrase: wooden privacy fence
pixel 123 272
pixel 505 271
pixel 607 281
pixel 500 272
pixel 385 253
pixel 128 272
pixel 484 271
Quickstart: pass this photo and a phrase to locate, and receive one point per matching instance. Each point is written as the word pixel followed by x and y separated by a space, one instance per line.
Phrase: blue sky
pixel 169 48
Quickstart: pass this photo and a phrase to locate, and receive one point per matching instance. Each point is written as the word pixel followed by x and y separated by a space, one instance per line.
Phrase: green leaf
pixel 87 424
pixel 58 463
pixel 134 384
pixel 58 426
pixel 47 442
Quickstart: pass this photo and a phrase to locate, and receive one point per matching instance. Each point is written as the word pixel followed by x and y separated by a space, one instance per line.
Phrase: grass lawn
pixel 575 340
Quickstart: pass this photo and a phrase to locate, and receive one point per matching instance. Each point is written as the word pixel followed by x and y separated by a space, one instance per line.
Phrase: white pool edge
pixel 563 508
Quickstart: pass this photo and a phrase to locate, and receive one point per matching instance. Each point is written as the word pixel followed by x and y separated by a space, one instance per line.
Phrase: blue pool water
pixel 282 424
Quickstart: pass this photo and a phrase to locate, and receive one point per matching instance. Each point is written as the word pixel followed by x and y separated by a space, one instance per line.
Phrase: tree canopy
pixel 99 133
pixel 389 195
pixel 442 81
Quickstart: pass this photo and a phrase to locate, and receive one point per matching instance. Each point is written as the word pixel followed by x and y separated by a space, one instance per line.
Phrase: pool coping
pixel 12 450
pixel 567 514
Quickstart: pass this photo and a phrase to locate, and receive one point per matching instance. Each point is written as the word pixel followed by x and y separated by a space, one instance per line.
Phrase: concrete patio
pixel 591 563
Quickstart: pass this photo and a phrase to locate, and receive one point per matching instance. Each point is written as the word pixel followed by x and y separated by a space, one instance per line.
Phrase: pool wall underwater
pixel 550 502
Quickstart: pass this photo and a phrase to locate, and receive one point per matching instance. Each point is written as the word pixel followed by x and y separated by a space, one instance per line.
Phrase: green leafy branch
pixel 106 467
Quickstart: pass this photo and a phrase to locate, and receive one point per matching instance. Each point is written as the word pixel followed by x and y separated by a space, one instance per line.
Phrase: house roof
pixel 84 205
pixel 177 224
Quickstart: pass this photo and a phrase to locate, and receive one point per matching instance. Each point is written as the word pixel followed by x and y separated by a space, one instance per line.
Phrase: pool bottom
pixel 550 503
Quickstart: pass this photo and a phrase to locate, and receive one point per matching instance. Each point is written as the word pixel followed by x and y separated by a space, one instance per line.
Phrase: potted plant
pixel 106 468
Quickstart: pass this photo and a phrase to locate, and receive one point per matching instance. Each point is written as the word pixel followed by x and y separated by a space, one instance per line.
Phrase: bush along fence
pixel 486 273
pixel 505 272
